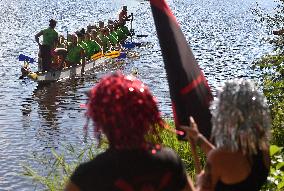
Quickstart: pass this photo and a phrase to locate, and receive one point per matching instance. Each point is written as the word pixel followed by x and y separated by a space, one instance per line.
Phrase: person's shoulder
pixel 223 158
pixel 87 166
pixel 55 32
pixel 216 159
pixel 44 30
pixel 218 156
pixel 80 171
pixel 87 172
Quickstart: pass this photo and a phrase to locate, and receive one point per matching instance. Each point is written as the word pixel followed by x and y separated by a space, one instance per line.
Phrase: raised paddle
pixel 28 59
pixel 131 27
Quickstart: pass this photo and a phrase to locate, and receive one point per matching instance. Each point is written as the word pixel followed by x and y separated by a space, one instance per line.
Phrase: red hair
pixel 124 109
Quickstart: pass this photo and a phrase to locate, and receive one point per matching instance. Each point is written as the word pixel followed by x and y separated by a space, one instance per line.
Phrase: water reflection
pixel 49 106
pixel 47 97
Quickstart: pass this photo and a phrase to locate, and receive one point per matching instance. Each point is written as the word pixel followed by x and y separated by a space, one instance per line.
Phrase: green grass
pixel 59 168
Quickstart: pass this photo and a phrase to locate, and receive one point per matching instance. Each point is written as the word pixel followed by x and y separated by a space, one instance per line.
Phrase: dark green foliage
pixel 275 181
pixel 272 67
pixel 272 22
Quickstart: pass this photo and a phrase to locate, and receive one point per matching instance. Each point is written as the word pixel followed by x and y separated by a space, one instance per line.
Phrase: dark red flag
pixel 189 91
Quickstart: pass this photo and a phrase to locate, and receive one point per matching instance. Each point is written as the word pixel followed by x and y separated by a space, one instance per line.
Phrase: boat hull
pixel 66 73
pixel 72 71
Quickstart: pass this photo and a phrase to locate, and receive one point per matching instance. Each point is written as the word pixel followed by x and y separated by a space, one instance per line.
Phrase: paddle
pixel 122 55
pixel 25 68
pixel 130 45
pixel 132 33
pixel 141 35
pixel 28 59
pixel 131 27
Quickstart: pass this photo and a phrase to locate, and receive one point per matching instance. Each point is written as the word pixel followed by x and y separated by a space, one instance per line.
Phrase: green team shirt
pixel 74 54
pixel 125 30
pixel 49 37
pixel 113 38
pixel 84 45
pixel 90 47
pixel 120 34
pixel 104 40
pixel 97 46
pixel 87 48
pixel 93 47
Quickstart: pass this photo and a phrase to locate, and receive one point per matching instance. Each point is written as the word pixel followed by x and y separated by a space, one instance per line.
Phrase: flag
pixel 189 91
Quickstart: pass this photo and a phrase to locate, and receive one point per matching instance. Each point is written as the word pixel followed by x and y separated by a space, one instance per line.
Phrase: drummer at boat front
pixel 50 40
pixel 123 17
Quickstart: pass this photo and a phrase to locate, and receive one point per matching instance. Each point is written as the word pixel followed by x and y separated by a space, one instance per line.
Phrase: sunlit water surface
pixel 35 118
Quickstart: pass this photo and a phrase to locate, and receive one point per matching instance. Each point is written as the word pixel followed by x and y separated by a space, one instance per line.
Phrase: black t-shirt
pixel 255 180
pixel 132 170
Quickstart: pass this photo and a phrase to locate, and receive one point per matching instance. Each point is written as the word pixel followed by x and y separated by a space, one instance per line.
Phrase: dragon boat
pixel 73 71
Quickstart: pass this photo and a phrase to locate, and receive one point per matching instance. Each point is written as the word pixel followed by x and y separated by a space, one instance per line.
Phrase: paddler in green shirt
pixel 90 46
pixel 76 54
pixel 105 44
pixel 122 36
pixel 82 41
pixel 86 45
pixel 113 36
pixel 50 40
pixel 95 41
pixel 125 30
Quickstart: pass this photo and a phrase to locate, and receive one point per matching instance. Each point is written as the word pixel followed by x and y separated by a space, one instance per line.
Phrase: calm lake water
pixel 35 118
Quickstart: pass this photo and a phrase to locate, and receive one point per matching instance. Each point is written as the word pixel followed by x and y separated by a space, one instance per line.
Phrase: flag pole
pixel 189 91
pixel 196 160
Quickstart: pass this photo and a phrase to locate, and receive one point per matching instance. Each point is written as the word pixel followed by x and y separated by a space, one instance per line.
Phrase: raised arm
pixel 207 179
pixel 37 37
pixel 193 133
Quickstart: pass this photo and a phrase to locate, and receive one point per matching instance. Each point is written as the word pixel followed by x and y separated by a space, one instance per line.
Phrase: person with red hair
pixel 123 109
